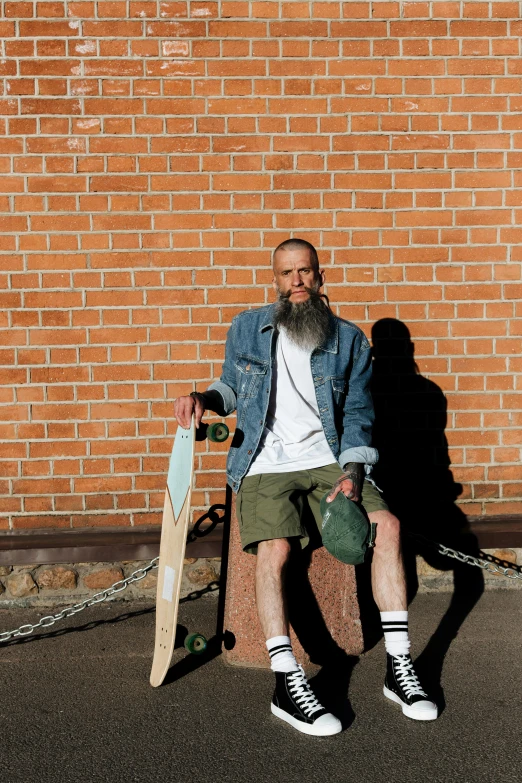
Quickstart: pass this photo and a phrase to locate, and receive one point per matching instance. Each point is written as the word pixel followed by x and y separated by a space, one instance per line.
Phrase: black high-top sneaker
pixel 403 687
pixel 295 702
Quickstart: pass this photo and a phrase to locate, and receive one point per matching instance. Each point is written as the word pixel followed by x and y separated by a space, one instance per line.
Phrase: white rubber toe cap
pixel 422 710
pixel 328 724
pixel 323 727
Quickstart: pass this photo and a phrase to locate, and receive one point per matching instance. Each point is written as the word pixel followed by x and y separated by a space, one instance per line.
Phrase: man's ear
pixel 274 284
pixel 322 277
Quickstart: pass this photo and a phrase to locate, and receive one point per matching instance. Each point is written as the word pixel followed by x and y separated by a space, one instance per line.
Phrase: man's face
pixel 294 273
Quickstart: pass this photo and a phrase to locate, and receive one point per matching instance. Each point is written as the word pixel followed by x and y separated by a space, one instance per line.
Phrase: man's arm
pixel 358 414
pixel 358 417
pixel 220 397
pixel 223 393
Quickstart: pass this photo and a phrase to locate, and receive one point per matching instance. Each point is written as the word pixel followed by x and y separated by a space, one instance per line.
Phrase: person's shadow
pixel 414 474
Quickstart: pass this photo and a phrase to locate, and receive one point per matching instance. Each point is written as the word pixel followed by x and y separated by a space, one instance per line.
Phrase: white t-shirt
pixel 293 438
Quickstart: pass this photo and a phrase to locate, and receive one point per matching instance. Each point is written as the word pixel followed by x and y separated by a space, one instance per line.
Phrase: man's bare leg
pixel 293 700
pixel 401 684
pixel 272 557
pixel 388 578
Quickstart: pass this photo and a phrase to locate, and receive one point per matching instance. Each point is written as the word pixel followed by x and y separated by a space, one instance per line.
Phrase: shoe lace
pixel 301 692
pixel 406 676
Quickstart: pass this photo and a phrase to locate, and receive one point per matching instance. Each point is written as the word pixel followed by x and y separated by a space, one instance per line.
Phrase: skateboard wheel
pixel 217 433
pixel 195 643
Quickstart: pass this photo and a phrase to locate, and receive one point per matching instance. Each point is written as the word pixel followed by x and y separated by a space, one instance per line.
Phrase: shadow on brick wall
pixel 414 474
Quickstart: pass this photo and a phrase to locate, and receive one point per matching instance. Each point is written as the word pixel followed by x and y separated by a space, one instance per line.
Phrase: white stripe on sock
pixel 281 655
pixel 395 628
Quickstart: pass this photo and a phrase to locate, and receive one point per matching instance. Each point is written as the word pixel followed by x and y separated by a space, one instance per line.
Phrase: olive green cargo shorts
pixel 286 505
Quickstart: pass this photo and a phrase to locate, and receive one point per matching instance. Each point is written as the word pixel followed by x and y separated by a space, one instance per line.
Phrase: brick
pixel 56 29
pixel 504 472
pixel 488 29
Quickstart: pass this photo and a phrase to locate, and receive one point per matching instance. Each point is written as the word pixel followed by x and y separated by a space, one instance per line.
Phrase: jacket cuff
pixel 366 454
pixel 227 395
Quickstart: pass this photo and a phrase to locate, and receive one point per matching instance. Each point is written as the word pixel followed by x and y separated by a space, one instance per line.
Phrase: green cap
pixel 347 533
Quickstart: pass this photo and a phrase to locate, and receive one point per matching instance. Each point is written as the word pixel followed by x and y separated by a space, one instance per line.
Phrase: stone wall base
pixel 433 580
pixel 60 585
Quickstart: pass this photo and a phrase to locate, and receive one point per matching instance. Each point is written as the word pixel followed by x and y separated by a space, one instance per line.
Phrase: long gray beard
pixel 306 323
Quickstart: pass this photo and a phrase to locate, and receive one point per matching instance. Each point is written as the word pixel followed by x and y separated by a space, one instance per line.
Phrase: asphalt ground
pixel 76 705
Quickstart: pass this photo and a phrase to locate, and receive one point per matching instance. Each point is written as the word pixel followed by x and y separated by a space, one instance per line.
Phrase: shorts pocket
pixel 246 502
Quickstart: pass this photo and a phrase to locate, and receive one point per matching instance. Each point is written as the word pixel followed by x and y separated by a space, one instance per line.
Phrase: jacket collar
pixel 330 345
pixel 268 319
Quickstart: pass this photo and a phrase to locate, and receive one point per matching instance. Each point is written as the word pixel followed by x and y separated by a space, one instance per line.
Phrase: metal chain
pixel 512 571
pixel 493 568
pixel 98 598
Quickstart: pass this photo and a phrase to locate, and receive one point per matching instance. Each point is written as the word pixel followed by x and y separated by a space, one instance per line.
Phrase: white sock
pixel 281 655
pixel 395 627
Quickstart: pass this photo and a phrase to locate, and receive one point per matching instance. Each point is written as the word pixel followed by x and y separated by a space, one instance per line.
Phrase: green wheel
pixel 195 643
pixel 217 433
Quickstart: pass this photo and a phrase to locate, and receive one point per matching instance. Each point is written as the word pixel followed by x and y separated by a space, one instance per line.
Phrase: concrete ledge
pixel 20 547
pixel 86 545
pixel 497 531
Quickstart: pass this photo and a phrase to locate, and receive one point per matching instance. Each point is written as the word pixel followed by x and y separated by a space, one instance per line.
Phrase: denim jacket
pixel 341 370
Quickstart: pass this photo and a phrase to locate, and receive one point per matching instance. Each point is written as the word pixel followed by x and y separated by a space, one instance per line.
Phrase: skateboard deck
pixel 176 514
pixel 174 529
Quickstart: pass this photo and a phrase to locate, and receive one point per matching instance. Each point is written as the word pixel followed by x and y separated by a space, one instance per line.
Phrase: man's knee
pixel 276 551
pixel 388 528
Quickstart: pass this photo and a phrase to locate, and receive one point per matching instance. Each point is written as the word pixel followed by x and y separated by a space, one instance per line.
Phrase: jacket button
pixel 247 368
pixel 249 451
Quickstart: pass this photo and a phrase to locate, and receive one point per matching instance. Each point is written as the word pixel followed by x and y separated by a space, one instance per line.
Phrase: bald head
pixel 297 244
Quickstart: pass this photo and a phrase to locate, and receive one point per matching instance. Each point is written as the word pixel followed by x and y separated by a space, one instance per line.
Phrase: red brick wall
pixel 153 153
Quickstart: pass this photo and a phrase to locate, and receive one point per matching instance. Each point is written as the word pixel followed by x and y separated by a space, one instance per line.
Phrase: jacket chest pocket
pixel 250 374
pixel 339 390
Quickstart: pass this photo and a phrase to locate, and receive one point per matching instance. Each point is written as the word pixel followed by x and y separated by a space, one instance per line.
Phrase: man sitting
pixel 299 379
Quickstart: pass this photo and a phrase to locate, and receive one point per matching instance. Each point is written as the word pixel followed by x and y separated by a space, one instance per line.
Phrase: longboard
pixel 174 529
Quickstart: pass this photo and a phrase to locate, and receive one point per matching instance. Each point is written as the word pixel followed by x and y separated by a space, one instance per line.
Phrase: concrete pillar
pixel 323 608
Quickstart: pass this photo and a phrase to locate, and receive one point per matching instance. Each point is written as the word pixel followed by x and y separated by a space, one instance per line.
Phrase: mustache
pixel 313 292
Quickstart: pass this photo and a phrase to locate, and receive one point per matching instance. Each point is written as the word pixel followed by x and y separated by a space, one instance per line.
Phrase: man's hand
pixel 184 407
pixel 350 483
